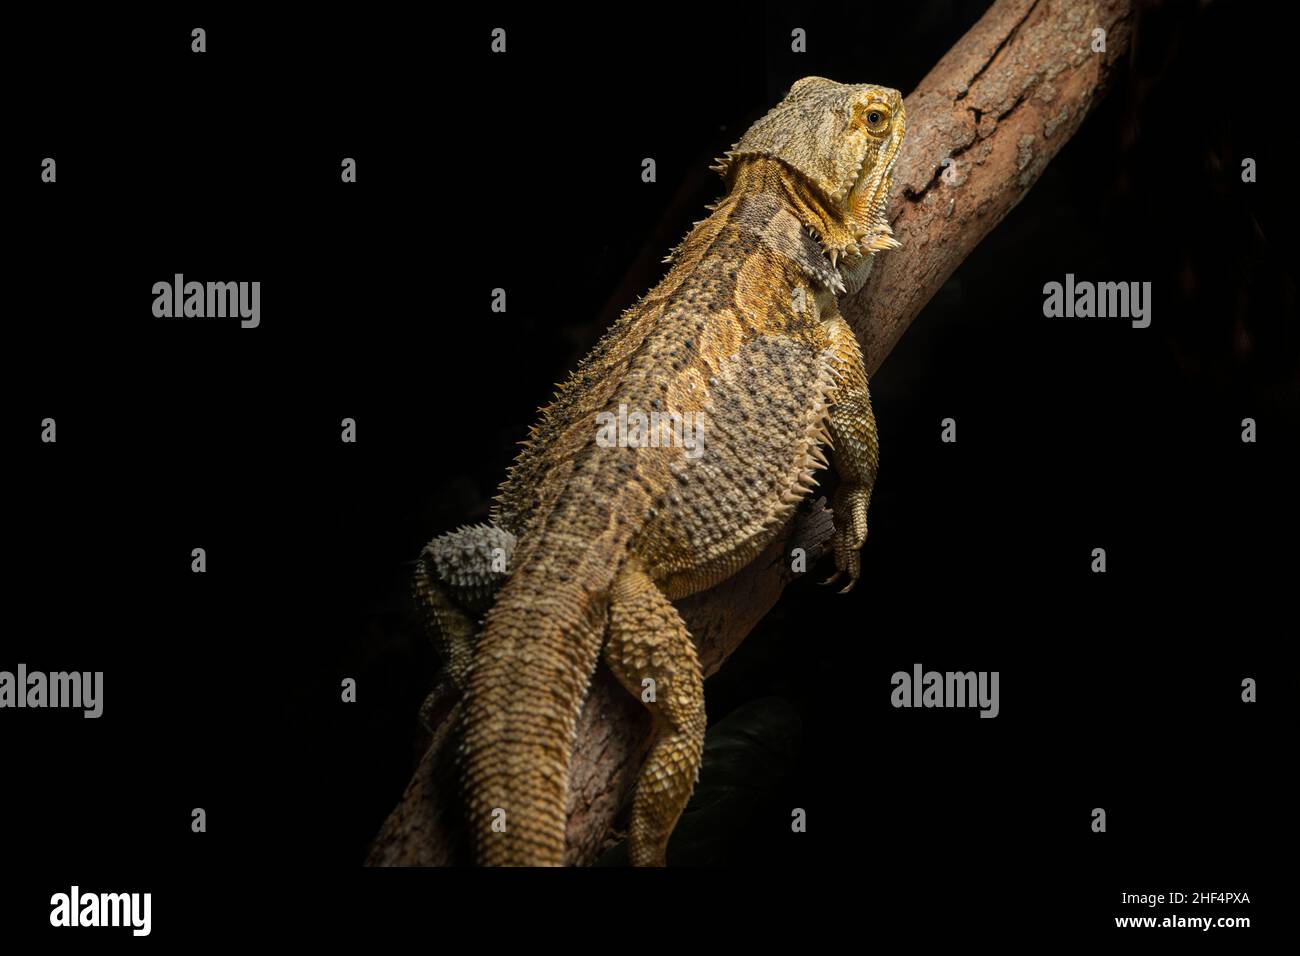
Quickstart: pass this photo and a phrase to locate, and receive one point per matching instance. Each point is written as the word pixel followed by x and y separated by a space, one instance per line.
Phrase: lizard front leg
pixel 648 642
pixel 856 448
pixel 456 579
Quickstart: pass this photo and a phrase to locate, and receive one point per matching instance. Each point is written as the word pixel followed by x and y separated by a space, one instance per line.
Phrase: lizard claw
pixel 849 566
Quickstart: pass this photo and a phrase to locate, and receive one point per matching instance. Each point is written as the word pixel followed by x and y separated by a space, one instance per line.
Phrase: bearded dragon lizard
pixel 744 339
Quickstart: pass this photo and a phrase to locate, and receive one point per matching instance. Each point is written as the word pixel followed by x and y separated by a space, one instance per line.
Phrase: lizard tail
pixel 531 671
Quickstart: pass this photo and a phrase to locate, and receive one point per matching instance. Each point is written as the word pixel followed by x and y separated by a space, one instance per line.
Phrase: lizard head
pixel 842 141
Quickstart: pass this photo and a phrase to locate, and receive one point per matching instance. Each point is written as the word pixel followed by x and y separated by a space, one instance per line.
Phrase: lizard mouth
pixel 867 202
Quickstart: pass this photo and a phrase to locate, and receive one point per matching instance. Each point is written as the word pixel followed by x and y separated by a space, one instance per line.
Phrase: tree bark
pixel 982 126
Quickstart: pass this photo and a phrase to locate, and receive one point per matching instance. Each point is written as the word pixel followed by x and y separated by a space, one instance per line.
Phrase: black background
pixel 522 171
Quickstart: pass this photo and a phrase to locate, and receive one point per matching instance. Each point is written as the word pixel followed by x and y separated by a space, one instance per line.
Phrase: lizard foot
pixel 850 507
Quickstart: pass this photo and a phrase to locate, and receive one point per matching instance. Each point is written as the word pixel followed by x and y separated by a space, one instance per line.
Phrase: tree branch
pixel 999 105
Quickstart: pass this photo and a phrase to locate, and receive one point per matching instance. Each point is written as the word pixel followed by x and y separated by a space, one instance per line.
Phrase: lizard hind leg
pixel 653 656
pixel 456 579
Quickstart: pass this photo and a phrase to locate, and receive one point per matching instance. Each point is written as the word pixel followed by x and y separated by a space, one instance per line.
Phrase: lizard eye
pixel 876 119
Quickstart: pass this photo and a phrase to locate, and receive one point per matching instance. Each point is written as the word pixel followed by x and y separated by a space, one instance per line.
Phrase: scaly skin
pixel 745 335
